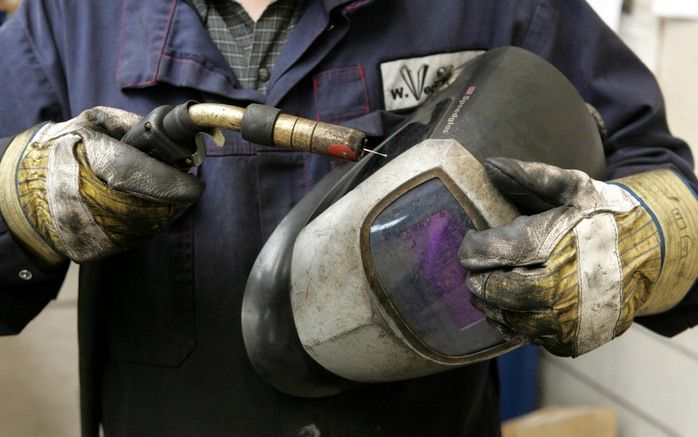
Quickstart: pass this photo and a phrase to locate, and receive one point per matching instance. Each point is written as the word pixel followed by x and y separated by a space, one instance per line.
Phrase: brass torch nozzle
pixel 268 126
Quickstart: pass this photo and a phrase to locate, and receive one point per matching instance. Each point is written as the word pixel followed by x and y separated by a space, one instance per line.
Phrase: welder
pixel 164 261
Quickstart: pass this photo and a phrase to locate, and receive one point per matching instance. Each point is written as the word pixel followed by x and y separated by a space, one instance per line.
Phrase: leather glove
pixel 573 277
pixel 72 190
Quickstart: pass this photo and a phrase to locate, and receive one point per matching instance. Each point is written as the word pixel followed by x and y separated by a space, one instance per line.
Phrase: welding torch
pixel 170 134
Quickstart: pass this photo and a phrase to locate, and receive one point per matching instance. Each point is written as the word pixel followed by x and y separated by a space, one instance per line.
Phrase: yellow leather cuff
pixel 10 202
pixel 674 208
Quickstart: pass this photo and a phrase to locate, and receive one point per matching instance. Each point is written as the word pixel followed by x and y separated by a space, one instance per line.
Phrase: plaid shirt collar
pixel 250 48
pixel 201 8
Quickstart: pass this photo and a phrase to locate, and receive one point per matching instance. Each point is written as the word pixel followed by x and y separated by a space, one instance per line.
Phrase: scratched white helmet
pixel 361 282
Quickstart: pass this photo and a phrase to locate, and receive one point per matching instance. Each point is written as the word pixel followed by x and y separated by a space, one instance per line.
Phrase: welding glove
pixel 71 190
pixel 573 277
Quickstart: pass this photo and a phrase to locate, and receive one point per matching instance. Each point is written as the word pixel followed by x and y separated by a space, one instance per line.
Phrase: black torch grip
pixel 167 134
pixel 258 122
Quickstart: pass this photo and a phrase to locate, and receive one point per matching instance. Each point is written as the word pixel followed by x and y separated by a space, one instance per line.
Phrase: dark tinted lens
pixel 414 246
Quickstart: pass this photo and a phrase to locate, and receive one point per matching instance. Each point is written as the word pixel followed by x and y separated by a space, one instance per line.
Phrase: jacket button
pixel 25 275
pixel 263 74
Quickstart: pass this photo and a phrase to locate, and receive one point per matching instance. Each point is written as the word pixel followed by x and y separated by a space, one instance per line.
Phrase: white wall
pixel 609 10
pixel 677 71
pixel 651 381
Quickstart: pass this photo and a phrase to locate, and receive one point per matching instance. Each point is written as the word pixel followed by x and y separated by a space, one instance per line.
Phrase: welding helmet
pixel 361 281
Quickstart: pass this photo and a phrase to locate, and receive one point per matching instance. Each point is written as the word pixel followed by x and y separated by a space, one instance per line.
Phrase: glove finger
pixel 127 169
pixel 111 121
pixel 525 201
pixel 521 328
pixel 541 184
pixel 507 332
pixel 525 241
pixel 495 318
pixel 553 345
pixel 491 312
pixel 531 324
pixel 516 290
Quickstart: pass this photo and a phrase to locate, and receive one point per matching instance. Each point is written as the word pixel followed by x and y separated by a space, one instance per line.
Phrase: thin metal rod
pixel 375 153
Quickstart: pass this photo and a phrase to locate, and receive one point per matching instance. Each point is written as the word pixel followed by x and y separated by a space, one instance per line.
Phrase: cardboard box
pixel 8 5
pixel 564 421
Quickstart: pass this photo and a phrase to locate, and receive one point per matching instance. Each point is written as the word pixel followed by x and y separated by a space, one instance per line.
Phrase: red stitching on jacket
pixel 153 79
pixel 351 7
pixel 342 74
pixel 333 72
pixel 164 39
pixel 362 73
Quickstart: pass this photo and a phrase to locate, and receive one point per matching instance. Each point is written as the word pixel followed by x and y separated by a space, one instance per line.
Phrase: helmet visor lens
pixel 414 246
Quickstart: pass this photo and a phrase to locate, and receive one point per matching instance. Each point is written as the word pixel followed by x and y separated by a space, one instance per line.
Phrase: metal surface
pixel 217 115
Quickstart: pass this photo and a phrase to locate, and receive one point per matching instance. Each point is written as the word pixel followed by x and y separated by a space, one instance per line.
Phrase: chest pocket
pixel 340 94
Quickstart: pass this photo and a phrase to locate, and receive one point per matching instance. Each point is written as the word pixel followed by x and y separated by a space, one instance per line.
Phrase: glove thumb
pixel 536 187
pixel 111 121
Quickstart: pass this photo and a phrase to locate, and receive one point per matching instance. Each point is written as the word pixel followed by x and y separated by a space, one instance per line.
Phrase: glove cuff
pixel 10 205
pixel 674 208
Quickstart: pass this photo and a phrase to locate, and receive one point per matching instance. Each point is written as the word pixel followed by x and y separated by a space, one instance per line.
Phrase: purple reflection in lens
pixel 435 241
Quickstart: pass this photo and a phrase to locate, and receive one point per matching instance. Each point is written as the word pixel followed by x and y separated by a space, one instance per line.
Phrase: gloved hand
pixel 574 277
pixel 72 190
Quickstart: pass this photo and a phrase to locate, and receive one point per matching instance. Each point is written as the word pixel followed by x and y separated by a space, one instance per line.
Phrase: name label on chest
pixel 408 82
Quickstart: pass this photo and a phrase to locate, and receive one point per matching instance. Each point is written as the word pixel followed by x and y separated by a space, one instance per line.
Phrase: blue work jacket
pixel 161 351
